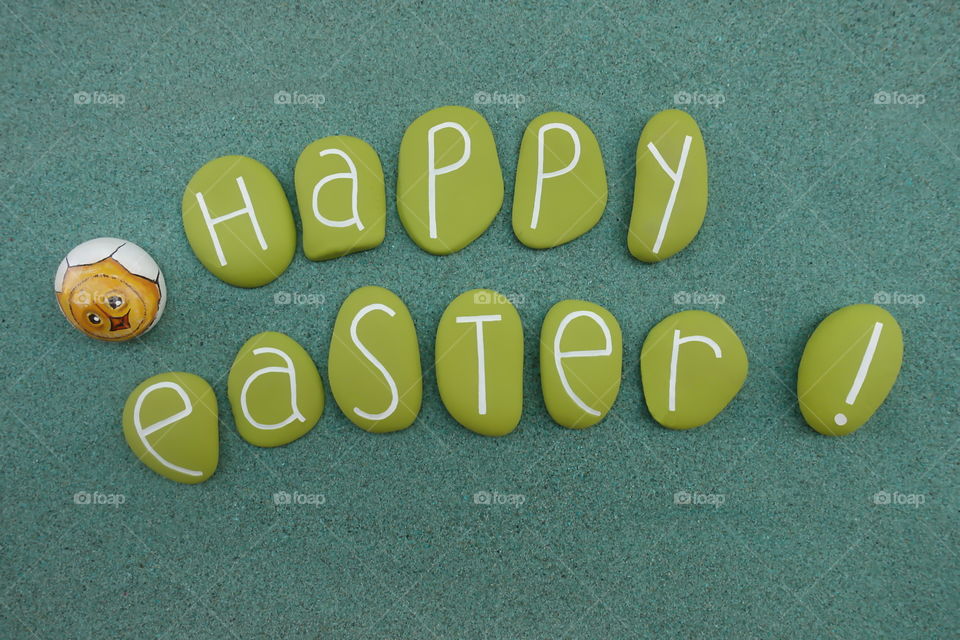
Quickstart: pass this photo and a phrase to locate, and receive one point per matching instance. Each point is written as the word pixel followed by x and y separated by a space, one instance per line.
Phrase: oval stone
pixel 374 362
pixel 848 367
pixel 341 197
pixel 275 390
pixel 670 193
pixel 170 423
pixel 561 186
pixel 449 182
pixel 581 361
pixel 479 362
pixel 238 221
pixel 692 364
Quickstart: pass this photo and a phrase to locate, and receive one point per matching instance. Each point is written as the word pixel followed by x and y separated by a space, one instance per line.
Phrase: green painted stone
pixel 561 186
pixel 668 213
pixel 848 367
pixel 374 362
pixel 238 221
pixel 467 188
pixel 341 197
pixel 275 390
pixel 704 383
pixel 581 361
pixel 170 422
pixel 479 362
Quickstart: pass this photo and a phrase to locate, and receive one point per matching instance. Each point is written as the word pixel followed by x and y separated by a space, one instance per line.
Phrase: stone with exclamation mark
pixel 848 368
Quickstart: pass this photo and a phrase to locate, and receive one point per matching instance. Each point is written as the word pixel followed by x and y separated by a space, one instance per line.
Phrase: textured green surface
pixel 819 198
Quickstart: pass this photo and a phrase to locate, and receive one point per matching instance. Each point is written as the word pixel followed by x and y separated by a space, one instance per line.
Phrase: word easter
pixel 449 189
pixel 692 364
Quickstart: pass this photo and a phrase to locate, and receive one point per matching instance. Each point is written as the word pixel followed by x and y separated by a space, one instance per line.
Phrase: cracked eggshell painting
pixel 110 289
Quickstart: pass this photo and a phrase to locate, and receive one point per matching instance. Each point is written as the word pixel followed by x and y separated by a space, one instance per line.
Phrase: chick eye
pixel 114 302
pixel 93 318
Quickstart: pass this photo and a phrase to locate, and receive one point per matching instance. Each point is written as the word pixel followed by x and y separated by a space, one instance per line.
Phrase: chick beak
pixel 123 322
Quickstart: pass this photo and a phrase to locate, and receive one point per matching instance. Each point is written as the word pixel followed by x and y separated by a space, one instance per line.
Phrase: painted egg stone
pixel 110 289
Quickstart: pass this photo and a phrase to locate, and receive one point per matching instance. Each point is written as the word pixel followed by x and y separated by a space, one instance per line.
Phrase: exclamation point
pixel 840 418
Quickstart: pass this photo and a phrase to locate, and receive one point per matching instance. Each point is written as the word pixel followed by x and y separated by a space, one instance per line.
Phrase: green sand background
pixel 819 198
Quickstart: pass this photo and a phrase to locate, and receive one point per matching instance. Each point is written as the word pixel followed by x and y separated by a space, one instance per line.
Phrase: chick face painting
pixel 110 289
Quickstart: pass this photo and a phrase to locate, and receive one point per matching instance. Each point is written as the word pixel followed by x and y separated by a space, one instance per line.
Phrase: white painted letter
pixel 394 395
pixel 291 372
pixel 434 171
pixel 676 176
pixel 541 175
pixel 559 355
pixel 247 210
pixel 481 362
pixel 143 432
pixel 351 175
pixel 677 341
